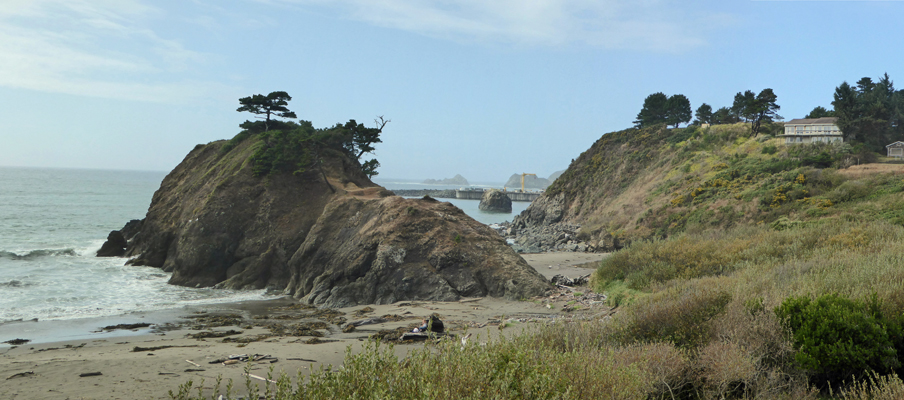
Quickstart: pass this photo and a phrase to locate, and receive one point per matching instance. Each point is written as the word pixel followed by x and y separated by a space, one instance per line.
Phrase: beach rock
pixel 329 237
pixel 495 201
pixel 115 246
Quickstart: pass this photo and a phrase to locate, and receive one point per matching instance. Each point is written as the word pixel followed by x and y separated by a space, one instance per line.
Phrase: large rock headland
pixel 330 237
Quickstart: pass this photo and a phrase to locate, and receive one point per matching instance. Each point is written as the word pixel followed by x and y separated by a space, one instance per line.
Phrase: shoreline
pixel 149 362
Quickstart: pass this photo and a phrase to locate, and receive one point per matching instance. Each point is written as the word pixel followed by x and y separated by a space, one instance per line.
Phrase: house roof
pixel 812 121
pixel 896 144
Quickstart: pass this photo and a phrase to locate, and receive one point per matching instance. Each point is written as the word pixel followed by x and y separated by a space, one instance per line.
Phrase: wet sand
pixel 49 366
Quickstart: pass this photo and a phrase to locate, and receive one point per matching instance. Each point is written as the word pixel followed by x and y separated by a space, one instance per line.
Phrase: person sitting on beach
pixel 431 324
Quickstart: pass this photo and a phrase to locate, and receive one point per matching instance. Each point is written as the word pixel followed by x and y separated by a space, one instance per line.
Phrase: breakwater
pixel 436 193
pixel 476 194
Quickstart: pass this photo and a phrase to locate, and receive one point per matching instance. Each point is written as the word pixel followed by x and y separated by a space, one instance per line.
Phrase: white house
pixel 812 130
pixel 896 149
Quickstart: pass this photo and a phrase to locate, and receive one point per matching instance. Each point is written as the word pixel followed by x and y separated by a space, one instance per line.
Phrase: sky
pixel 480 88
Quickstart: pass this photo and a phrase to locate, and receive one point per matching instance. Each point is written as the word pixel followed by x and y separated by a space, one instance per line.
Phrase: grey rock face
pixel 495 201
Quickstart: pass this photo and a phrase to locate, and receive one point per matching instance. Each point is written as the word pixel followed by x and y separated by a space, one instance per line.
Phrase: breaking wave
pixel 31 255
pixel 15 283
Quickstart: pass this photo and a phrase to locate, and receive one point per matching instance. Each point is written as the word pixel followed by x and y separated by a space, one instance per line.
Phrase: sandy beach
pixel 148 362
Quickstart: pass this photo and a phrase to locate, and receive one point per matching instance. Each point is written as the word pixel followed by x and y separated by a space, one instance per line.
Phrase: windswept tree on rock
pixel 273 104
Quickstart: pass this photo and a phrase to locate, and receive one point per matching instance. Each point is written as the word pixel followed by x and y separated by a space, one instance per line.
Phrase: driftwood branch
pixel 260 378
pixel 21 374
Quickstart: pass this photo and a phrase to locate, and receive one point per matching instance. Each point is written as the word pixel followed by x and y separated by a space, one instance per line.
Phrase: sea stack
pixel 326 235
pixel 495 201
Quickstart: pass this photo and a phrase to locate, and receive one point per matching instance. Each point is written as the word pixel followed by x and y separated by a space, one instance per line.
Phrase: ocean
pixel 52 221
pixel 468 206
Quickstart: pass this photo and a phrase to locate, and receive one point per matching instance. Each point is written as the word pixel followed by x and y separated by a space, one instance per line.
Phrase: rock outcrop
pixel 117 241
pixel 495 201
pixel 330 237
pixel 532 182
pixel 455 180
pixel 115 246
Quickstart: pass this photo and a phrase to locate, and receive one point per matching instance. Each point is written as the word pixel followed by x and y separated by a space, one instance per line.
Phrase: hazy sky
pixel 476 87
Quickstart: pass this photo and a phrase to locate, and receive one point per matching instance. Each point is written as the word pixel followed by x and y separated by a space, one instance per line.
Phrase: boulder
pixel 495 201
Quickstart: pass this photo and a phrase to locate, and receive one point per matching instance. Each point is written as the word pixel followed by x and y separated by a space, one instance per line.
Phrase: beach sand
pixel 147 363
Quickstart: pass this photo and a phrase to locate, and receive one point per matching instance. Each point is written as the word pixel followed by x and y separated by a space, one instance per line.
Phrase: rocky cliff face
pixel 337 241
pixel 600 195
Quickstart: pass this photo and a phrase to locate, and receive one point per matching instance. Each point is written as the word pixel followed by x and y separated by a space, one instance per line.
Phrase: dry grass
pixel 866 170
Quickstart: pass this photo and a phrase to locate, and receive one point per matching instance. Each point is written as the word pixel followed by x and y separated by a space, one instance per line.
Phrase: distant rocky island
pixel 531 181
pixel 456 180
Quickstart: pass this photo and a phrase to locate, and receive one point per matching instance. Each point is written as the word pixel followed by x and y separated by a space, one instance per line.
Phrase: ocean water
pixel 470 207
pixel 53 221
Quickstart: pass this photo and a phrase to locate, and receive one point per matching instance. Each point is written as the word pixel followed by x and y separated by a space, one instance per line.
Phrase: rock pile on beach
pixel 543 227
pixel 543 238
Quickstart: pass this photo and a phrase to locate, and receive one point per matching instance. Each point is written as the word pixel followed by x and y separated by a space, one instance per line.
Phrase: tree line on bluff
pixel 869 112
pixel 297 147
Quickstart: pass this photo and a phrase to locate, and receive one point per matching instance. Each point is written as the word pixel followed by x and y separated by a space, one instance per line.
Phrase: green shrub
pixel 850 190
pixel 837 338
pixel 283 151
pixel 679 315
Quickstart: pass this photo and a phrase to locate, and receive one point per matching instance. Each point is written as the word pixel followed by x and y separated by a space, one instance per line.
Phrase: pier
pixel 466 194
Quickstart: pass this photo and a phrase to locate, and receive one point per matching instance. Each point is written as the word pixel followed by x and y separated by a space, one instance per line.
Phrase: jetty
pixel 477 194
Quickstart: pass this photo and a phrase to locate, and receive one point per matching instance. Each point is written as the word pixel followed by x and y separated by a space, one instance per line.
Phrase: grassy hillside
pixel 779 261
pixel 656 182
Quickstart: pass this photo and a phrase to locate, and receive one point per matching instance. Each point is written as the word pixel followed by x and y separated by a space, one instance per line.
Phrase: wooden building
pixel 895 149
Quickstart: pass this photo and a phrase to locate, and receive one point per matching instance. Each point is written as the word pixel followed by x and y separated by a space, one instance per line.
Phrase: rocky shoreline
pixel 531 235
pixel 290 336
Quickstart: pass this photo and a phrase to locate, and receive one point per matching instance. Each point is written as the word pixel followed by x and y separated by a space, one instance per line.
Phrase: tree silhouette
pixel 272 104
